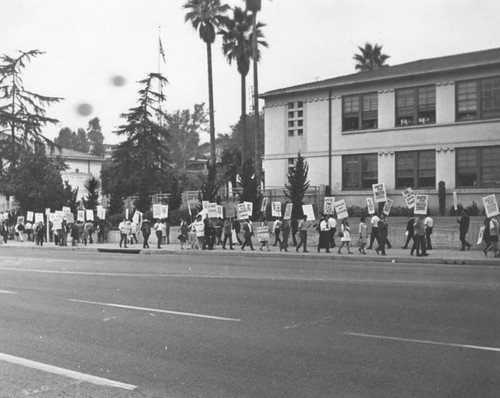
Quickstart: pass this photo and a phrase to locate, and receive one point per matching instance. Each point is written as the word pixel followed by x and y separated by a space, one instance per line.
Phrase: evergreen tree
pixel 115 204
pixel 71 197
pixel 82 144
pixel 250 189
pixel 298 184
pixel 95 138
pixel 22 111
pixel 66 138
pixel 141 162
pixel 92 199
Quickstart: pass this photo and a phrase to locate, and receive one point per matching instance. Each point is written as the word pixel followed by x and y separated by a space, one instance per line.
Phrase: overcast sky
pixel 88 42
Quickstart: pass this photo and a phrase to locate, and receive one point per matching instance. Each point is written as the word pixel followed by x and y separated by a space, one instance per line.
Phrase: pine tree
pixel 71 197
pixel 248 183
pixel 298 184
pixel 210 188
pixel 95 137
pixel 92 199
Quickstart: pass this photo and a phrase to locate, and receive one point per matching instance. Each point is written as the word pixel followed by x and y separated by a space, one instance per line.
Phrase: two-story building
pixel 409 125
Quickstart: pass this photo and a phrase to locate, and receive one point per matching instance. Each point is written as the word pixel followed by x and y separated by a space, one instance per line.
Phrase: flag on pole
pixel 162 53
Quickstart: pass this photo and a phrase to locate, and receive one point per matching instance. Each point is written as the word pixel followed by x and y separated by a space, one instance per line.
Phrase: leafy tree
pixel 21 110
pixel 95 137
pixel 237 36
pixel 82 144
pixel 35 182
pixel 141 161
pixel 250 188
pixel 71 197
pixel 233 140
pixel 184 128
pixel 230 164
pixel 370 58
pixel 66 138
pixel 92 199
pixel 297 185
pixel 206 16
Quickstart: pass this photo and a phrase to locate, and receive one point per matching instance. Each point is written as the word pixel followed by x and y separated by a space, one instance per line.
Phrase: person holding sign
pixel 494 231
pixel 374 234
pixel 419 244
pixel 383 228
pixel 276 231
pixel 323 242
pixel 226 227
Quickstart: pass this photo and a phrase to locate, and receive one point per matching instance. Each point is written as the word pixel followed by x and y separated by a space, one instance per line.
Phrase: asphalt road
pixel 221 326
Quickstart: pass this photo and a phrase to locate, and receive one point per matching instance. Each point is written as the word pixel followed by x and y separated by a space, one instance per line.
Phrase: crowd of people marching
pixel 208 233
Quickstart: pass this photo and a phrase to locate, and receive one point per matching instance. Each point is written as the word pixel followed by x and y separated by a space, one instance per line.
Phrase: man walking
pixel 464 223
pixel 247 234
pixel 303 234
pixel 429 226
pixel 374 234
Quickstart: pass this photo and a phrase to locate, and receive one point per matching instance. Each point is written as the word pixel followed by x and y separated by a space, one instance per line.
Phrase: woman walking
pixel 363 235
pixel 345 239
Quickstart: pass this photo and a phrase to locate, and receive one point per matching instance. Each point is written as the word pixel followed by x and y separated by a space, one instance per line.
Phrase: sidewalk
pixel 396 255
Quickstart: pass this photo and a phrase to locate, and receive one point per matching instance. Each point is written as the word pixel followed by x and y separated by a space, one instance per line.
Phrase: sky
pixel 89 43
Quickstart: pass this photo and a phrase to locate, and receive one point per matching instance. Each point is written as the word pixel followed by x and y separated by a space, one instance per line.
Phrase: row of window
pixel 475 167
pixel 295 118
pixel 475 99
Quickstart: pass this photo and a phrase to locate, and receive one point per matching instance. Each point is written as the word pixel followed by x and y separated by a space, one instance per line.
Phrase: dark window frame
pixel 361 118
pixel 477 98
pixel 415 174
pixel 362 178
pixel 417 107
pixel 295 119
pixel 475 164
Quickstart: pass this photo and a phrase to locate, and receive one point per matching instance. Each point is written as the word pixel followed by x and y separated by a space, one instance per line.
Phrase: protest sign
pixel 21 220
pixel 38 217
pixel 89 214
pixel 57 222
pixel 263 234
pixel 421 203
pixel 242 211
pixel 249 206
pixel 66 209
pixel 156 211
pixel 137 217
pixel 189 208
pixel 409 197
pixel 212 210
pixel 220 211
pixel 263 206
pixel 455 201
pixel 328 207
pixel 308 211
pixel 387 207
pixel 29 216
pixel 341 209
pixel 164 211
pixel 480 235
pixel 69 218
pixel 127 214
pixel 204 204
pixel 379 193
pixel 288 211
pixel 491 205
pixel 230 210
pixel 276 209
pixel 81 215
pixel 370 205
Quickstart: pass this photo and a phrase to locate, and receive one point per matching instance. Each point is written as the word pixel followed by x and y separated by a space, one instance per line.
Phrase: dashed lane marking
pixel 157 310
pixel 7 292
pixel 65 372
pixel 374 336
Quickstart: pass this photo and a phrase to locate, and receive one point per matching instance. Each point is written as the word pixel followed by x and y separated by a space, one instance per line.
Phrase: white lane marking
pixel 7 292
pixel 374 336
pixel 65 372
pixel 157 310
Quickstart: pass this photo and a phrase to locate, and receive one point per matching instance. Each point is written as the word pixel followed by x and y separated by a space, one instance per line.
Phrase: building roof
pixel 415 68
pixel 75 155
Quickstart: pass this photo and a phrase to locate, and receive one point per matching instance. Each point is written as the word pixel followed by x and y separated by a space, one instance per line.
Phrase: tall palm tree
pixel 370 58
pixel 206 16
pixel 237 35
pixel 255 6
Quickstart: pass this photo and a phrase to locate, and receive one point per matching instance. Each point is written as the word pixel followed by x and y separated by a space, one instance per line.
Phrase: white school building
pixel 409 125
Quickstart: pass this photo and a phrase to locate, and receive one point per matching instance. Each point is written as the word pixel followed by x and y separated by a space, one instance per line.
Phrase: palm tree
pixel 206 16
pixel 370 58
pixel 237 35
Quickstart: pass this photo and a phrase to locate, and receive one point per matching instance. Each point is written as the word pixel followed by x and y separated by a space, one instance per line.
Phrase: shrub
pixel 401 211
pixel 176 215
pixel 442 197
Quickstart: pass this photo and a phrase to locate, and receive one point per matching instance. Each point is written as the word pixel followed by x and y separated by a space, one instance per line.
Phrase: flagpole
pixel 159 72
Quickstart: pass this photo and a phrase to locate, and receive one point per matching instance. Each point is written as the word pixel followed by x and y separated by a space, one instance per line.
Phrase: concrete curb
pixel 440 259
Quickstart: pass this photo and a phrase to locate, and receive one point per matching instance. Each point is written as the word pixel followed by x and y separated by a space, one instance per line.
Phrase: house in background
pixel 81 167
pixel 409 125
